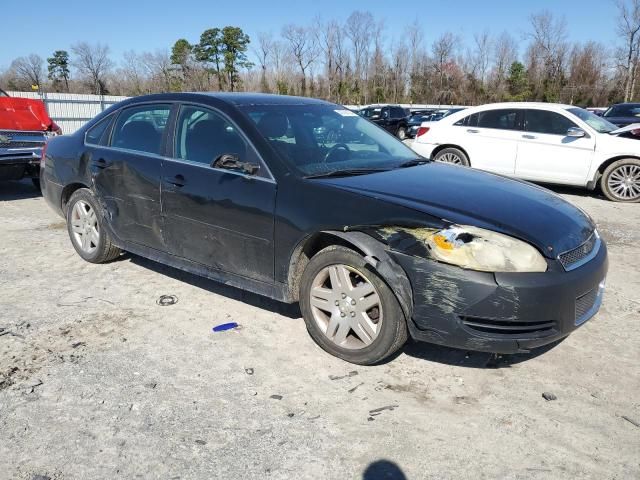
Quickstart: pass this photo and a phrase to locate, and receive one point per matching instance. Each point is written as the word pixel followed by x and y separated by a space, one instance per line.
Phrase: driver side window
pixel 203 136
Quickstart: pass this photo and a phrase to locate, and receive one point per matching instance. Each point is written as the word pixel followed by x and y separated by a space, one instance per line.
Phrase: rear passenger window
pixel 97 135
pixel 543 121
pixel 141 128
pixel 470 121
pixel 501 119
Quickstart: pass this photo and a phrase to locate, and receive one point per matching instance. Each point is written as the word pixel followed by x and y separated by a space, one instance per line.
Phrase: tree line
pixel 360 61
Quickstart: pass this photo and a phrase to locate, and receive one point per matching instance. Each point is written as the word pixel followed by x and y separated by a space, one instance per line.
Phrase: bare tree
pixel 505 53
pixel 358 29
pixel 263 53
pixel 547 54
pixel 588 67
pixel 481 54
pixel 29 70
pixel 159 70
pixel 303 49
pixel 93 62
pixel 628 27
pixel 443 50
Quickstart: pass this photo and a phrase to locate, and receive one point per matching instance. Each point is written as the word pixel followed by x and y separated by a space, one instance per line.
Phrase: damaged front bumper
pixel 500 312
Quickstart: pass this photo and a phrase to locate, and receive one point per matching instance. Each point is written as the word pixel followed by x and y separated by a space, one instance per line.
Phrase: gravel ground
pixel 99 381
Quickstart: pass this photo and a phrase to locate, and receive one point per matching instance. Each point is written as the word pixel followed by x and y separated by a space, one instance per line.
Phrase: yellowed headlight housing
pixel 479 249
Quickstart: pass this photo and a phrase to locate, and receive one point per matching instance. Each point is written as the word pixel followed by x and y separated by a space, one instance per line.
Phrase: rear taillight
pixel 422 131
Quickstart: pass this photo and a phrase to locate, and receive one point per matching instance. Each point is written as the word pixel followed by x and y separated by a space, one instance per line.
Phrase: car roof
pixel 546 106
pixel 237 98
pixel 631 104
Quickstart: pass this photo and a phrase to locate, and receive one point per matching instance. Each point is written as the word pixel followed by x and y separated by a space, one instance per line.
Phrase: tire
pixel 36 183
pixel 402 133
pixel 88 237
pixel 386 328
pixel 452 155
pixel 620 182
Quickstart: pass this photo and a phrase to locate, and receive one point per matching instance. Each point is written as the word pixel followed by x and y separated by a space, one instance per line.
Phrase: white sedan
pixel 541 142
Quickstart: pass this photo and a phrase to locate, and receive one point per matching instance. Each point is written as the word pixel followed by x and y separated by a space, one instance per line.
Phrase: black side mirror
pixel 231 161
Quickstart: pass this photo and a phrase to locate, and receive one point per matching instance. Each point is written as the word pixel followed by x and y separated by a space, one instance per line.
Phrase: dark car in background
pixel 416 117
pixel 375 242
pixel 623 114
pixel 392 118
pixel 431 115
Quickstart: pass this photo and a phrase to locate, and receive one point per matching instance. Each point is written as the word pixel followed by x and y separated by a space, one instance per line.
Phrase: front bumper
pixel 501 312
pixel 18 165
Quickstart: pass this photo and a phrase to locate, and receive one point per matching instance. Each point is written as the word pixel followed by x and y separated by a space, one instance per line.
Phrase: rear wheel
pixel 452 155
pixel 349 311
pixel 401 133
pixel 620 181
pixel 84 224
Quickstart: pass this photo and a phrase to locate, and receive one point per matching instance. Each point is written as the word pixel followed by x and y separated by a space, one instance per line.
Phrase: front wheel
pixel 620 181
pixel 84 224
pixel 349 311
pixel 452 155
pixel 401 133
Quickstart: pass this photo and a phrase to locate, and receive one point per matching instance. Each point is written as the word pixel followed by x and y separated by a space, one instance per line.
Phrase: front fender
pixel 377 256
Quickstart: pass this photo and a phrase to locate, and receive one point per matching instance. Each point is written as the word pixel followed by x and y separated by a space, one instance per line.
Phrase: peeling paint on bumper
pixel 445 297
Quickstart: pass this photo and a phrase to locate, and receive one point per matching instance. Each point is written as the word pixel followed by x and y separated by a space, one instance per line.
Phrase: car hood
pixel 24 114
pixel 628 128
pixel 469 197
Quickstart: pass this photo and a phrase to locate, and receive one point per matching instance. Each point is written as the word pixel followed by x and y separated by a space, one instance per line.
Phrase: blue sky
pixel 144 25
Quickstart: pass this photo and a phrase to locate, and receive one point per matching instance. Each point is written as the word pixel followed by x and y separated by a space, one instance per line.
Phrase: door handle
pixel 529 137
pixel 472 130
pixel 100 163
pixel 177 181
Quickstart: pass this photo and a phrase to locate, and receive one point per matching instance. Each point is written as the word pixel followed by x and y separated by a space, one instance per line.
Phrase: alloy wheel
pixel 346 306
pixel 84 225
pixel 450 157
pixel 624 182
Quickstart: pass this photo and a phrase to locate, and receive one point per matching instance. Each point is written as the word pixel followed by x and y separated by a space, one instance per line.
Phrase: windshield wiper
pixel 346 172
pixel 413 163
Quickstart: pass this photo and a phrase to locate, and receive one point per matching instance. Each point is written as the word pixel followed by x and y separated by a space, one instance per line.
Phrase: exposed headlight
pixel 479 249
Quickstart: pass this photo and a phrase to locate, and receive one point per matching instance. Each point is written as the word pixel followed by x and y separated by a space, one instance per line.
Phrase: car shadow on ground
pixel 253 299
pixel 18 190
pixel 471 359
pixel 580 192
pixel 419 350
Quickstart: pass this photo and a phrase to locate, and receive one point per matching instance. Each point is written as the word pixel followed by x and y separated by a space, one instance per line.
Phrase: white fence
pixel 70 110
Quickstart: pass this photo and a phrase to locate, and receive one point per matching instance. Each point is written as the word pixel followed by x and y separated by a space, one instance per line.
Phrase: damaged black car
pixel 374 242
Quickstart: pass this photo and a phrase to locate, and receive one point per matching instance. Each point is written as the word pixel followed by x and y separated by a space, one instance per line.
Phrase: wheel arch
pixel 67 191
pixel 593 183
pixel 371 249
pixel 439 148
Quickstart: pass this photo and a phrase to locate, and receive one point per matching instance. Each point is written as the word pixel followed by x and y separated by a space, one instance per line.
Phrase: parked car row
pixel 541 142
pixel 403 122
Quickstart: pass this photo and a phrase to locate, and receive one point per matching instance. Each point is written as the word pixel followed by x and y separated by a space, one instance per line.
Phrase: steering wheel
pixel 334 149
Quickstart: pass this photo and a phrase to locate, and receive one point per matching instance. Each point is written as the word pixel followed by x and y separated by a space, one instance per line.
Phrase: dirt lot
pixel 98 381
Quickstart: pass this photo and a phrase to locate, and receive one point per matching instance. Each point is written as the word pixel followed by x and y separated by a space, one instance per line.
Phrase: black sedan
pixel 623 114
pixel 374 242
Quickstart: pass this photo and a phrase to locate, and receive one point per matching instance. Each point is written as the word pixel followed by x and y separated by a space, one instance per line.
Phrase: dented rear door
pixel 126 174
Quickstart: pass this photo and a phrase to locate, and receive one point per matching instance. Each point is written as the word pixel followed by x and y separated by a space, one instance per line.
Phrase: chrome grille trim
pixel 583 253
